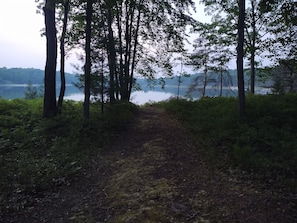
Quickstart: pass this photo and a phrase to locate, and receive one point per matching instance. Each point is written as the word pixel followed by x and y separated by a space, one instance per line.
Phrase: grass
pixel 265 143
pixel 37 155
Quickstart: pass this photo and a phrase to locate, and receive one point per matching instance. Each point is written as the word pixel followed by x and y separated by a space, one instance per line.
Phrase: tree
pixel 62 52
pixel 50 107
pixel 282 27
pixel 125 38
pixel 285 77
pixel 88 63
pixel 200 59
pixel 240 55
pixel 139 38
pixel 226 11
pixel 212 48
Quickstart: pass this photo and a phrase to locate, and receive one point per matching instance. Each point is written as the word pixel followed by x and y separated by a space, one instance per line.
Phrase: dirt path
pixel 153 174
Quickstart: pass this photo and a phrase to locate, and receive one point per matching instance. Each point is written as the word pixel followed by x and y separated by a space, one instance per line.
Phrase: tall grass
pixel 265 143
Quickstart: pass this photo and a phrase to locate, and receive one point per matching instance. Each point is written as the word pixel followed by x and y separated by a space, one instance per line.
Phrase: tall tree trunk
pixel 134 55
pixel 49 105
pixel 62 50
pixel 88 64
pixel 102 86
pixel 240 54
pixel 204 82
pixel 253 48
pixel 221 81
pixel 121 68
pixel 111 56
pixel 128 40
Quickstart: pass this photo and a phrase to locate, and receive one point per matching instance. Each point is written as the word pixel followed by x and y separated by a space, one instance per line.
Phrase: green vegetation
pixel 38 154
pixel 265 143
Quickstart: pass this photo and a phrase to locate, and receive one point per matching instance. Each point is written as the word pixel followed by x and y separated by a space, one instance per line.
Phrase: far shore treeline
pixel 33 76
pixel 29 75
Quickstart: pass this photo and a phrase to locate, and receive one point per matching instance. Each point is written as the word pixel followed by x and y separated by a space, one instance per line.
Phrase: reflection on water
pixel 141 97
pixel 75 97
pixel 137 97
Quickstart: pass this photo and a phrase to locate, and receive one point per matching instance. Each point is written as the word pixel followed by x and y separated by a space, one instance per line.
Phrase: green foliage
pixel 264 143
pixel 37 154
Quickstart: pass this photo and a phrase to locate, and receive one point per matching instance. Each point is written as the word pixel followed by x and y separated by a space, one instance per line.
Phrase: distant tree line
pixel 26 75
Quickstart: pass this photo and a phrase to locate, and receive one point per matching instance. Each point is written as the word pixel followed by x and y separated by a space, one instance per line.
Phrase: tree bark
pixel 253 48
pixel 49 102
pixel 121 68
pixel 111 57
pixel 204 82
pixel 87 66
pixel 62 51
pixel 221 81
pixel 134 56
pixel 240 54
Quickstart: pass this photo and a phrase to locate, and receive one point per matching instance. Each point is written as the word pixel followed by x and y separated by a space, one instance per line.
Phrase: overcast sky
pixel 21 44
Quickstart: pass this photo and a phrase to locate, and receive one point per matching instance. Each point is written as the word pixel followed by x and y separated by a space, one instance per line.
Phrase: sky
pixel 21 44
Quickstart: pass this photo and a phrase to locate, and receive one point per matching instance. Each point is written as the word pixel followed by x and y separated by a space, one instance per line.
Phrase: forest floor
pixel 153 173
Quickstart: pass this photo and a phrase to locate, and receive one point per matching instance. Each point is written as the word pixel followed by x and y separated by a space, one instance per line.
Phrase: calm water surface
pixel 72 93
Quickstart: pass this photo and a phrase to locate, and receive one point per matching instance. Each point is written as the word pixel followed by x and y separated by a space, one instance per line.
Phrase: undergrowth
pixel 37 154
pixel 265 143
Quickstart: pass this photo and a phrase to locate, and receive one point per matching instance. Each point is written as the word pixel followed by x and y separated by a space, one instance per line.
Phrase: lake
pixel 12 91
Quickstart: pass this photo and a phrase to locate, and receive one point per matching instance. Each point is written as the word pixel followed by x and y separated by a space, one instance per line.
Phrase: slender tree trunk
pixel 102 86
pixel 49 105
pixel 134 55
pixel 88 64
pixel 111 57
pixel 121 69
pixel 221 82
pixel 128 37
pixel 240 54
pixel 253 72
pixel 204 82
pixel 62 50
pixel 253 48
pixel 179 78
pixel 178 87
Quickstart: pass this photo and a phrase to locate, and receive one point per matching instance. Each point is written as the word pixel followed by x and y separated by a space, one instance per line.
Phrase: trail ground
pixel 153 173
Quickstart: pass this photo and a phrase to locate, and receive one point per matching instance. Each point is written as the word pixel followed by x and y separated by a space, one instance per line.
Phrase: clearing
pixel 153 173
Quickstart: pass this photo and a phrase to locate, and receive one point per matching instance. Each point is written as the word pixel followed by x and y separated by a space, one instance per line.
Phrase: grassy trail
pixel 154 173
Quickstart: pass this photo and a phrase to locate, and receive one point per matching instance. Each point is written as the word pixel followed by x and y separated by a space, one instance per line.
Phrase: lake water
pixel 13 91
pixel 139 97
